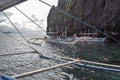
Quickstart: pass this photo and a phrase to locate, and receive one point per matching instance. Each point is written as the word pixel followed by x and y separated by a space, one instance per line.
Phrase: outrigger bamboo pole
pixel 97 63
pixel 83 65
pixel 44 69
pixel 103 64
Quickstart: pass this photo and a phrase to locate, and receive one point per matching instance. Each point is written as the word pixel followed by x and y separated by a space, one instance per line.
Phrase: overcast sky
pixel 33 8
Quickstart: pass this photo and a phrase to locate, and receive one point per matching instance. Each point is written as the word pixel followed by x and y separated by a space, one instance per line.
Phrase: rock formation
pixel 101 14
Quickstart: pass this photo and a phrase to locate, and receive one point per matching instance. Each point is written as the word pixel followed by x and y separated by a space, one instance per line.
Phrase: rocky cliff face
pixel 102 14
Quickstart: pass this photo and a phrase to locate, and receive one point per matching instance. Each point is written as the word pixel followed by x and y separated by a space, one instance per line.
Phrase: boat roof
pixel 4 4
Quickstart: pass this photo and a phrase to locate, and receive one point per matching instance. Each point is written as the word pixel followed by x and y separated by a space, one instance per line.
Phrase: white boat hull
pixel 62 41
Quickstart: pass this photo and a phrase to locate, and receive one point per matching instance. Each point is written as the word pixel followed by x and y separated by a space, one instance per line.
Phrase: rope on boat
pixel 101 67
pixel 44 69
pixel 38 44
pixel 30 19
pixel 16 28
pixel 81 21
pixel 35 41
pixel 21 33
pixel 15 39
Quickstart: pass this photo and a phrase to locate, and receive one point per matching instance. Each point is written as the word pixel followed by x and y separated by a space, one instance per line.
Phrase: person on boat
pixel 74 35
pixel 63 35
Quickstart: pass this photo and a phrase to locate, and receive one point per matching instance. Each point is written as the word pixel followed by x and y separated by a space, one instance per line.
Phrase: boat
pixel 63 39
pixel 57 40
pixel 91 37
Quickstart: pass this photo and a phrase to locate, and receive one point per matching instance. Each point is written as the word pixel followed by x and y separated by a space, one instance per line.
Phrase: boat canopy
pixel 4 4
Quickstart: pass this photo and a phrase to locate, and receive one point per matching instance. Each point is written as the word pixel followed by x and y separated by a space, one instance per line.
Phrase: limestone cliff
pixel 102 14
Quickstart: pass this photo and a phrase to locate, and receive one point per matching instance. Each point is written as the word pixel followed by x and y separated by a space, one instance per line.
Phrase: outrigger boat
pixel 63 39
pixel 58 40
pixel 68 40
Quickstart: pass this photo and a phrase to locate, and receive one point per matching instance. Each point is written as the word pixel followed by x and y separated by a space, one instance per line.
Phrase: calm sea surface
pixel 16 64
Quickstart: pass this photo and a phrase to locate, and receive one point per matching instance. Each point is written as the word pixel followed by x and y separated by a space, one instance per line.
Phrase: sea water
pixel 20 63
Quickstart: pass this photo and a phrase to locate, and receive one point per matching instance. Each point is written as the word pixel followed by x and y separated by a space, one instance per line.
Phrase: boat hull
pixel 62 41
